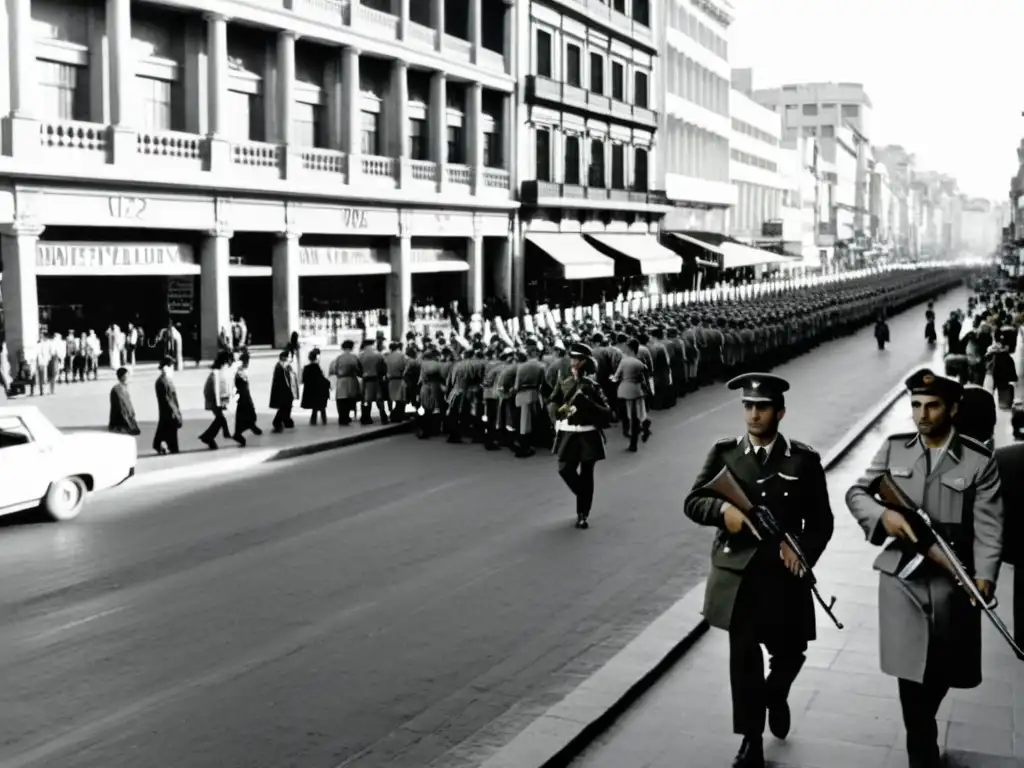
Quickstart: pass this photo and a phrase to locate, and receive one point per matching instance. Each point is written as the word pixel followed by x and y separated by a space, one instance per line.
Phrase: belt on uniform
pixel 561 426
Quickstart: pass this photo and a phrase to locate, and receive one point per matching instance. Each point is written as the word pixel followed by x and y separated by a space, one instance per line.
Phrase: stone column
pixel 475 275
pixel 285 266
pixel 508 134
pixel 475 136
pixel 437 21
pixel 214 294
pixel 399 119
pixel 403 19
pixel 20 132
pixel 351 112
pixel 511 22
pixel 517 249
pixel 122 81
pixel 21 298
pixel 286 103
pixel 438 131
pixel 475 35
pixel 400 287
pixel 217 92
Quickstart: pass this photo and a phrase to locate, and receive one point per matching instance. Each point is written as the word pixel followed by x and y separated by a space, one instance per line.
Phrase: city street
pixel 374 606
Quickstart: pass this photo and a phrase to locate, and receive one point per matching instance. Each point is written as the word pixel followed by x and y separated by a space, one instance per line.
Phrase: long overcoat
pixel 591 410
pixel 792 485
pixel 926 623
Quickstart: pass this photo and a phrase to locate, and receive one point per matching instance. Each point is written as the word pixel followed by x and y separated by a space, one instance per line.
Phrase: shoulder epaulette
pixel 727 443
pixel 803 447
pixel 980 447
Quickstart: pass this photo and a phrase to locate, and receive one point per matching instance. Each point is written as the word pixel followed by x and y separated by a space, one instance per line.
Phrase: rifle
pixel 931 544
pixel 767 529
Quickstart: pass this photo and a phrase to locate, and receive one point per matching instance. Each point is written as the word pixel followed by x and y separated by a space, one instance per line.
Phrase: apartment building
pixel 295 162
pixel 696 127
pixel 795 233
pixel 588 119
pixel 899 166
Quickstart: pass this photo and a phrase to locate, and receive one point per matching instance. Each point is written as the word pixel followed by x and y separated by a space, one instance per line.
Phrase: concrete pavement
pixel 845 712
pixel 396 604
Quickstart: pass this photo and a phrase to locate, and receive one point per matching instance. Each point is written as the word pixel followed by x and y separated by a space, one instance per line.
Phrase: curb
pixel 208 469
pixel 557 737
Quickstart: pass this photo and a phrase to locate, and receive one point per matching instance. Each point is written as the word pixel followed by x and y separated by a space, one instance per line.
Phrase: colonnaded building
pixel 286 161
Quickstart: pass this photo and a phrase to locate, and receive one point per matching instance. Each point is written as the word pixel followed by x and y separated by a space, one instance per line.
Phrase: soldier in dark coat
pixel 755 593
pixel 168 411
pixel 582 413
pixel 930 635
pixel 395 363
pixel 375 374
pixel 316 389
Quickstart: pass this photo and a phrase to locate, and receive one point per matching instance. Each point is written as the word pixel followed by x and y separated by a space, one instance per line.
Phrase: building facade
pixel 980 228
pixel 295 162
pixel 587 150
pixel 755 156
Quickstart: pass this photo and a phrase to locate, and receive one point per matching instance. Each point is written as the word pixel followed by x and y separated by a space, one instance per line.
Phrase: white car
pixel 40 466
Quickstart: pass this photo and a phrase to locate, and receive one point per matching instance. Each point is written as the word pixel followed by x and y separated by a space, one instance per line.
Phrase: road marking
pixel 37 636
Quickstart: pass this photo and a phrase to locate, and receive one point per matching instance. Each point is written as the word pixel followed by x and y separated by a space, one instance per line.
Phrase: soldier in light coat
pixel 631 377
pixel 930 634
pixel 346 371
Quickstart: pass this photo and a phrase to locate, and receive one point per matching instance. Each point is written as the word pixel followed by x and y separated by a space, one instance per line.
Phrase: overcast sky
pixel 944 75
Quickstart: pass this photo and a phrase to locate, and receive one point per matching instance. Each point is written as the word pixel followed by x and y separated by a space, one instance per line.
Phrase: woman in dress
pixel 245 409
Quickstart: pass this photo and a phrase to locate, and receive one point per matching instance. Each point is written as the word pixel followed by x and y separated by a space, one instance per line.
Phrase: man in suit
pixel 168 411
pixel 930 635
pixel 757 593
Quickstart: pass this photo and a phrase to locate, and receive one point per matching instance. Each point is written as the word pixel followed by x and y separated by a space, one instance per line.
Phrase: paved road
pixel 373 607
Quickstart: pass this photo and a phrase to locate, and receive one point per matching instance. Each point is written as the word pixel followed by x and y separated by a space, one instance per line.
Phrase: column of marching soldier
pixel 499 394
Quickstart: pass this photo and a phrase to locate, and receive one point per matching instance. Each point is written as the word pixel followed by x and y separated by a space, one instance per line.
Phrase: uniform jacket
pixel 631 375
pixel 490 379
pixel 507 380
pixel 373 365
pixel 346 369
pixel 660 369
pixel 591 409
pixel 792 485
pixel 459 378
pixel 529 376
pixel 395 364
pixel 928 612
pixel 431 386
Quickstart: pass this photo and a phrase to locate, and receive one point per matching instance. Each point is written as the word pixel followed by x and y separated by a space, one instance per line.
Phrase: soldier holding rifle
pixel 930 632
pixel 759 591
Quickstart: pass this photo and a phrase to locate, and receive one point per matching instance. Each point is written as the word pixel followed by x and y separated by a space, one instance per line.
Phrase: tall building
pixel 295 163
pixel 899 165
pixel 839 116
pixel 696 126
pixel 587 150
pixel 981 226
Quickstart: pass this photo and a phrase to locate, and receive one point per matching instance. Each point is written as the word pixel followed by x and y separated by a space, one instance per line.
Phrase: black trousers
pixel 220 424
pixel 345 407
pixel 580 479
pixel 283 418
pixel 920 703
pixel 166 432
pixel 752 692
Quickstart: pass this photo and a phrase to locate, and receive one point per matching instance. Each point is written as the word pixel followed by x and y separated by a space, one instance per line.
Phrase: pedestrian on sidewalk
pixel 217 394
pixel 122 412
pixel 284 391
pixel 756 593
pixel 168 411
pixel 316 389
pixel 930 634
pixel 582 413
pixel 245 408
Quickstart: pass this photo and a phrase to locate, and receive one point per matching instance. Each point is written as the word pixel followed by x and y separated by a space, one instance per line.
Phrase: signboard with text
pixel 115 259
pixel 180 295
pixel 326 260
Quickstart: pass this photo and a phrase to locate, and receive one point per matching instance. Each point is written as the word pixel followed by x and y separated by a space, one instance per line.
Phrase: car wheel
pixel 65 499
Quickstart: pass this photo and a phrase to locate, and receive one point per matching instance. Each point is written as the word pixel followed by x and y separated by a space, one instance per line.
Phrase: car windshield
pixel 42 429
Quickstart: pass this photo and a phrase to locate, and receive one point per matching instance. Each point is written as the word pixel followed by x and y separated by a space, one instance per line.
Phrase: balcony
pixel 457 49
pixel 379 24
pixel 544 89
pixel 422 36
pixel 540 192
pixel 605 15
pixel 257 157
pixel 172 149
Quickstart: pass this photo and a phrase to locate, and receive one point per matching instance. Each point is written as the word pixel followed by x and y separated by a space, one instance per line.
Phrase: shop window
pixel 370 138
pixel 418 148
pixel 455 145
pixel 307 125
pixel 155 97
pixel 596 73
pixel 63 91
pixel 640 169
pixel 595 176
pixel 618 166
pixel 640 89
pixel 492 150
pixel 572 160
pixel 543 53
pixel 618 81
pixel 573 65
pixel 542 141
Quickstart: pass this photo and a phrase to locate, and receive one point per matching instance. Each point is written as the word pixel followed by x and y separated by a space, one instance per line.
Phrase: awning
pixel 736 255
pixel 579 259
pixel 705 244
pixel 654 258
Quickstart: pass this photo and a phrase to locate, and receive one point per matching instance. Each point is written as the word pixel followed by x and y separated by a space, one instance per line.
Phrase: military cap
pixel 579 349
pixel 760 387
pixel 926 382
pixel 598 338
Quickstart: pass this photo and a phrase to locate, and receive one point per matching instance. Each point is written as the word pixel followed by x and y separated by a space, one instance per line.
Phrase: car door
pixel 24 476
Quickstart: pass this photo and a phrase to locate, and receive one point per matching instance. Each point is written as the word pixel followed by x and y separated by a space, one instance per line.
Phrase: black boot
pixel 751 754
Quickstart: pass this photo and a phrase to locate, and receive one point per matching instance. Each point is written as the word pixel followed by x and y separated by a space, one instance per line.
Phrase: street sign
pixel 180 295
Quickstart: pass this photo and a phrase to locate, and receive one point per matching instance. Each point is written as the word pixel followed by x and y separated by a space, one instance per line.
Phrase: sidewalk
pixel 846 713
